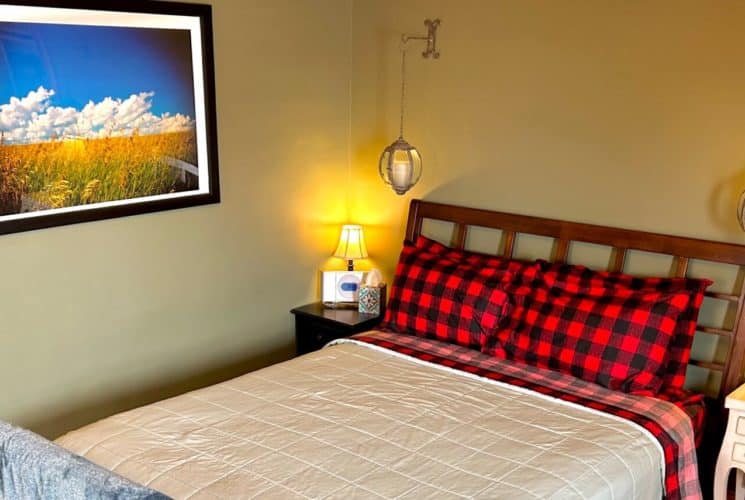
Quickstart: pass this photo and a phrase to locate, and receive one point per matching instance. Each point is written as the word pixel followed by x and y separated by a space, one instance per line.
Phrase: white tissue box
pixel 372 299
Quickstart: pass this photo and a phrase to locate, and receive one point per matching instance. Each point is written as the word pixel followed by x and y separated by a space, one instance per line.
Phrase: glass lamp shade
pixel 351 244
pixel 400 166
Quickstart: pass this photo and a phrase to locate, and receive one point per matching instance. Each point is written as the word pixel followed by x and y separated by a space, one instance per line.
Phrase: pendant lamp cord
pixel 403 88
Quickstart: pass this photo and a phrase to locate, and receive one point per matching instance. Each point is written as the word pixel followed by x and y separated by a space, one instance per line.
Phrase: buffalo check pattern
pixel 481 261
pixel 666 421
pixel 617 339
pixel 432 296
pixel 692 403
pixel 580 279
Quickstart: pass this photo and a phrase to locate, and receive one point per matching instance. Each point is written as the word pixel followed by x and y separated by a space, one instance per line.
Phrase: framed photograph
pixel 105 110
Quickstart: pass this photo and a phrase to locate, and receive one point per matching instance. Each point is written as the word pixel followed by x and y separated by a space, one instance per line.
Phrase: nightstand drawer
pixel 738 452
pixel 327 328
pixel 323 338
pixel 740 427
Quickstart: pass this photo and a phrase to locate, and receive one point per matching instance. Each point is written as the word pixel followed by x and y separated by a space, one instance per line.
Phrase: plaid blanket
pixel 665 421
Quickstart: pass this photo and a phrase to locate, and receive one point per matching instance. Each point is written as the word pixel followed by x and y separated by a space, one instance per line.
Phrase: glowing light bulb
pixel 401 173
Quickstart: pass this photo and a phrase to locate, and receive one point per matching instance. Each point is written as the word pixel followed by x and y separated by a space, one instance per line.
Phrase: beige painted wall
pixel 627 114
pixel 105 316
pixel 619 113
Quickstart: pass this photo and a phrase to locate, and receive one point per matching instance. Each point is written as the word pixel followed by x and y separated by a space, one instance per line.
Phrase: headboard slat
pixel 681 267
pixel 722 332
pixel 619 259
pixel 562 250
pixel 509 244
pixel 723 296
pixel 621 241
pixel 459 236
pixel 717 367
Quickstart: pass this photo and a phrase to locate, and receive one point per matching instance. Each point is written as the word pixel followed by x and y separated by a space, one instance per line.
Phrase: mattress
pixel 360 419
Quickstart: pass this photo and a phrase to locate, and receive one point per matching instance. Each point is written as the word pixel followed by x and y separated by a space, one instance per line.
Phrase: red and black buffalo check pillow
pixel 465 257
pixel 435 297
pixel 617 338
pixel 580 279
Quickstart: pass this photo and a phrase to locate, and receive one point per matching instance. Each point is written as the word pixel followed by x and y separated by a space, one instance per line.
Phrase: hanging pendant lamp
pixel 400 164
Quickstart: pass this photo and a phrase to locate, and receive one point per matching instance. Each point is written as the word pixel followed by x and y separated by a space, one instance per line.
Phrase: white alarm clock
pixel 340 287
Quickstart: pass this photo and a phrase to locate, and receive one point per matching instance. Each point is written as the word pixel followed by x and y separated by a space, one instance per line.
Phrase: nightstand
pixel 732 453
pixel 315 325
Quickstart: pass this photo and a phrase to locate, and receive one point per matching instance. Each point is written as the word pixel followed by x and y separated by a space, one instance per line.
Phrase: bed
pixel 390 415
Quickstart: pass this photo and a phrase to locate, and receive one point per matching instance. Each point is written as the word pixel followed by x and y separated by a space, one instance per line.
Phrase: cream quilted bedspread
pixel 354 421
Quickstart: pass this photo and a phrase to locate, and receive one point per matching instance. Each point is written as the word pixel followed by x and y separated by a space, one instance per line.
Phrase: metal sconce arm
pixel 430 38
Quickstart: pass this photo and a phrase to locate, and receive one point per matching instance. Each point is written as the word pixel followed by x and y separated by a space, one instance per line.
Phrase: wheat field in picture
pixel 73 172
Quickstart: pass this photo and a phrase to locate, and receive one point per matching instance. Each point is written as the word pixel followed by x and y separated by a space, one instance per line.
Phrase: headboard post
pixel 414 223
pixel 732 377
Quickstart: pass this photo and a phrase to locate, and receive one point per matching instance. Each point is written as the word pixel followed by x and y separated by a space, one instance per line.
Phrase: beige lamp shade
pixel 351 244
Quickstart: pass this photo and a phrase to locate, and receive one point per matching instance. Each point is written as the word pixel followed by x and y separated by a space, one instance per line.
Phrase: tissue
pixel 373 278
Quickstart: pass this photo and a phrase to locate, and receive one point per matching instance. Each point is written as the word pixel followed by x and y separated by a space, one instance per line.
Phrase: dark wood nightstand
pixel 315 325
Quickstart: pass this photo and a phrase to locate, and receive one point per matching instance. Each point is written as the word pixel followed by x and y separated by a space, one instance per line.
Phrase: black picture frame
pixel 207 190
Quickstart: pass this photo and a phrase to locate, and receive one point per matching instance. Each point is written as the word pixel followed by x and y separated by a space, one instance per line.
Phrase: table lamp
pixel 351 245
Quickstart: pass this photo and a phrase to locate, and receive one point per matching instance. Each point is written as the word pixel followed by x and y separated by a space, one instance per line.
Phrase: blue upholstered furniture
pixel 32 467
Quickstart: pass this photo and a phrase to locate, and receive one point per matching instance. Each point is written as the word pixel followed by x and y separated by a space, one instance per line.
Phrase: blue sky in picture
pixel 69 80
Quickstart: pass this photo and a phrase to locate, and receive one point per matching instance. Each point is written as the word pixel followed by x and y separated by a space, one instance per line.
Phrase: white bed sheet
pixel 354 421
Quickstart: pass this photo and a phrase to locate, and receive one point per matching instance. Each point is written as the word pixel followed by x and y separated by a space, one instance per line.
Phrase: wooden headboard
pixel 683 251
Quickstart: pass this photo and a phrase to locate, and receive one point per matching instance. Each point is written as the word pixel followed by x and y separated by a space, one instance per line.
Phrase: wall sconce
pixel 400 164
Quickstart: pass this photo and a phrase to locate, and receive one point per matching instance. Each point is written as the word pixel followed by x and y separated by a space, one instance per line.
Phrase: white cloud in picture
pixel 33 118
